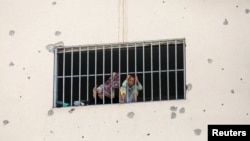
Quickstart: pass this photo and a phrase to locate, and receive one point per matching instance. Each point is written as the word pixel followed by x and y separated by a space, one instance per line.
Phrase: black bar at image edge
pixel 221 132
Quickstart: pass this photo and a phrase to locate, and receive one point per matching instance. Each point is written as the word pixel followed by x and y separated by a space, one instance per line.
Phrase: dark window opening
pixel 159 65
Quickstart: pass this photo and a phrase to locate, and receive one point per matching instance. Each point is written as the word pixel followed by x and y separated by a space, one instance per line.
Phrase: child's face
pixel 131 81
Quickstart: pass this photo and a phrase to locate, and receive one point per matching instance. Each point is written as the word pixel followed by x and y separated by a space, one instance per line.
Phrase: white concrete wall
pixel 218 47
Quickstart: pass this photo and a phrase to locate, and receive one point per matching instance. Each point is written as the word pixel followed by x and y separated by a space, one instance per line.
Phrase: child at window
pixel 109 90
pixel 129 89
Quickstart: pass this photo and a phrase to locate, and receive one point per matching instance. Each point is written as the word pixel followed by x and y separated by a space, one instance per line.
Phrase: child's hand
pixel 136 79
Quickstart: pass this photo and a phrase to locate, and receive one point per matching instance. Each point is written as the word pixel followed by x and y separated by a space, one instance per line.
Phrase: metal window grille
pixel 159 65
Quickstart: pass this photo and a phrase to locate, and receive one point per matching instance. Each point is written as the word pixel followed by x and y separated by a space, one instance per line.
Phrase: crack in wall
pixel 122 21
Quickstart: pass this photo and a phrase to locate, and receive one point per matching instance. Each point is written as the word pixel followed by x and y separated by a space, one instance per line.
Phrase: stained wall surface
pixel 217 35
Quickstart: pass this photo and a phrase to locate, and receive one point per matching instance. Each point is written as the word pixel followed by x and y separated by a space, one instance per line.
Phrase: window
pixel 159 65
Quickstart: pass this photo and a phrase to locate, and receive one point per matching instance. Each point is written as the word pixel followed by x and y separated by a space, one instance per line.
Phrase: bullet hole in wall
pixel 189 87
pixel 222 68
pixel 130 115
pixel 11 64
pixel 236 6
pixel 247 11
pixel 5 122
pixel 58 33
pixel 222 104
pixel 11 32
pixel 148 134
pixel 20 96
pixel 39 51
pixel 50 47
pixel 28 77
pixel 163 1
pixel 117 121
pixel 51 132
pixel 241 79
pixel 71 110
pixel 173 115
pixel 50 112
pixel 225 22
pixel 182 110
pixel 82 136
pixel 232 91
pixel 53 3
pixel 197 132
pixel 173 108
pixel 204 110
pixel 209 60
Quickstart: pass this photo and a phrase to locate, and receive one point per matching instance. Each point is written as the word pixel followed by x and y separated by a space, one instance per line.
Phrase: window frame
pixel 103 47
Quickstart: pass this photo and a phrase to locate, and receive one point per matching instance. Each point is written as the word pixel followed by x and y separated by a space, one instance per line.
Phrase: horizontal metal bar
pixel 122 44
pixel 124 73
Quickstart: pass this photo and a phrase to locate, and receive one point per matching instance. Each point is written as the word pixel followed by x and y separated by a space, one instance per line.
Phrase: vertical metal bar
pixel 71 77
pixel 176 87
pixel 103 74
pixel 88 74
pixel 127 59
pixel 127 71
pixel 80 64
pixel 95 71
pixel 184 65
pixel 63 77
pixel 135 70
pixel 143 71
pixel 167 71
pixel 135 60
pixel 55 95
pixel 111 69
pixel 152 86
pixel 119 70
pixel 159 54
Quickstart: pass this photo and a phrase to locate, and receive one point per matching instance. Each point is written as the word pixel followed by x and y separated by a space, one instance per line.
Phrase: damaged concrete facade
pixel 217 67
